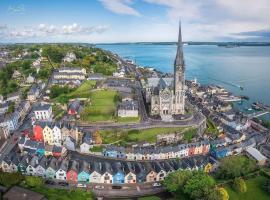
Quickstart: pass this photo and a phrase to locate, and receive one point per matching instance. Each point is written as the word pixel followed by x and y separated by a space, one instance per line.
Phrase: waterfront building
pixel 52 168
pixel 84 172
pixel 41 167
pixel 118 174
pixel 61 173
pixel 107 176
pixel 95 172
pixel 72 174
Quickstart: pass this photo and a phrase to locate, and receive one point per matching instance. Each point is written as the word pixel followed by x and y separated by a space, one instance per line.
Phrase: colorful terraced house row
pixel 100 171
pixel 218 148
pixel 158 153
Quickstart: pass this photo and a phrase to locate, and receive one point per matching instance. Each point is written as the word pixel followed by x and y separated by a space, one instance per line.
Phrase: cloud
pixel 214 19
pixel 44 30
pixel 16 9
pixel 120 7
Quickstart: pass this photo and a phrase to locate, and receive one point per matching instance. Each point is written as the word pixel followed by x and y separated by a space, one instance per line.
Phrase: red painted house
pixel 191 150
pixel 72 174
pixel 74 107
pixel 37 131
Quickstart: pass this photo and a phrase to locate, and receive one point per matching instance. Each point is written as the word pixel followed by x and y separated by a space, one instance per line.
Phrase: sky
pixel 110 21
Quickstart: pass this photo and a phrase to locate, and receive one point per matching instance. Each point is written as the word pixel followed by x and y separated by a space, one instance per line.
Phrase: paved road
pixel 115 191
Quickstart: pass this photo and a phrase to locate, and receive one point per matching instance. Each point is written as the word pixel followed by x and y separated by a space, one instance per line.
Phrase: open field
pixel 255 190
pixel 148 135
pixel 62 194
pixel 102 108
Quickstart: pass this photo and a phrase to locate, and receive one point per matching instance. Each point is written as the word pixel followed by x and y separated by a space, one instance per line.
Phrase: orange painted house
pixel 38 135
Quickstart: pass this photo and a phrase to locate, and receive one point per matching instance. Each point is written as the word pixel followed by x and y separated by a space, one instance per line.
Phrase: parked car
pixel 80 185
pixel 63 183
pixel 156 184
pixel 49 182
pixel 100 187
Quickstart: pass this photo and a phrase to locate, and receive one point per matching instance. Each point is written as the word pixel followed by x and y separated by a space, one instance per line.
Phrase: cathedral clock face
pixel 166 95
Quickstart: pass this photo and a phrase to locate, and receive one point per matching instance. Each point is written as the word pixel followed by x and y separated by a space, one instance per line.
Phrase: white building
pixel 70 57
pixel 57 135
pixel 128 109
pixel 43 112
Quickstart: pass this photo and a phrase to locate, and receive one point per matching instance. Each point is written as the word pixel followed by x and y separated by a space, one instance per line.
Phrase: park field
pixel 255 190
pixel 102 107
pixel 145 135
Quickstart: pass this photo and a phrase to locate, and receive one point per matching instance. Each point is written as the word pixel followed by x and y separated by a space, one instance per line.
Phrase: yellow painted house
pixel 208 168
pixel 48 135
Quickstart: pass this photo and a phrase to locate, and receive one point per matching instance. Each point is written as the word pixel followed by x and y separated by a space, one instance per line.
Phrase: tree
pixel 223 193
pixel 54 52
pixel 97 137
pixel 34 181
pixel 235 166
pixel 239 185
pixel 175 181
pixel 10 179
pixel 199 186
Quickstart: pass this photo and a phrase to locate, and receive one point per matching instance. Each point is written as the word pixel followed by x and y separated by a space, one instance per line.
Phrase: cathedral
pixel 167 95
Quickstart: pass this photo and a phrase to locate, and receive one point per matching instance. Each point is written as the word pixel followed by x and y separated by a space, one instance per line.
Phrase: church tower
pixel 179 77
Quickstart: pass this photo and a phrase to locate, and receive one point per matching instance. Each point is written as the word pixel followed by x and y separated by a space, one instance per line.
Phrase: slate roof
pixel 128 105
pixel 43 107
pixel 64 165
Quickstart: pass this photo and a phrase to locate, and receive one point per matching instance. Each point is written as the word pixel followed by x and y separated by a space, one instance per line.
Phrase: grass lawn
pixel 59 194
pixel 128 119
pixel 211 128
pixel 255 190
pixel 58 112
pixel 148 135
pixel 102 108
pixel 83 91
pixel 96 149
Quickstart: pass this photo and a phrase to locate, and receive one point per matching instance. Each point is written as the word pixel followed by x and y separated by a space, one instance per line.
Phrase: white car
pixel 80 185
pixel 156 184
pixel 99 187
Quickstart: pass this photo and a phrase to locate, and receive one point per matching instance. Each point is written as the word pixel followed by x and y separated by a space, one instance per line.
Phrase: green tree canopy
pixel 54 52
pixel 10 179
pixel 175 181
pixel 34 181
pixel 239 185
pixel 235 166
pixel 199 186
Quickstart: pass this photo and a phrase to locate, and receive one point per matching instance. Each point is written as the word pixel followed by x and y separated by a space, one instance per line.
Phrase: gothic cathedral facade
pixel 167 95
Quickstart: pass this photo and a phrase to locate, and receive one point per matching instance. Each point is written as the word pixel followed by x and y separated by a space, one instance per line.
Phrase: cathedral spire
pixel 179 60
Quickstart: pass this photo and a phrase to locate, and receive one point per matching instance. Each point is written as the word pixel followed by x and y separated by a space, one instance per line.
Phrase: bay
pixel 248 67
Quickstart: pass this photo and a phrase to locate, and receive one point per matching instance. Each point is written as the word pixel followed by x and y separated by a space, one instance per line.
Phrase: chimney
pixel 27 160
pixel 100 167
pixel 36 161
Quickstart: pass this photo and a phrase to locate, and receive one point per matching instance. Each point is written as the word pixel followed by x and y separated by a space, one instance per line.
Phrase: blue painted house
pixel 40 149
pixel 23 164
pixel 115 152
pixel 84 172
pixel 118 174
pixel 220 152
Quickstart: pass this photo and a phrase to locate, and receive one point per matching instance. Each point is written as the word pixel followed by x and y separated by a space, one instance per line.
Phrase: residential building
pixel 61 173
pixel 87 143
pixel 128 109
pixel 72 174
pixel 43 112
pixel 84 172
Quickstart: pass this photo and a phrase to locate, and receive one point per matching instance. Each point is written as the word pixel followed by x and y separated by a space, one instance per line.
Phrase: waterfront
pixel 248 67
